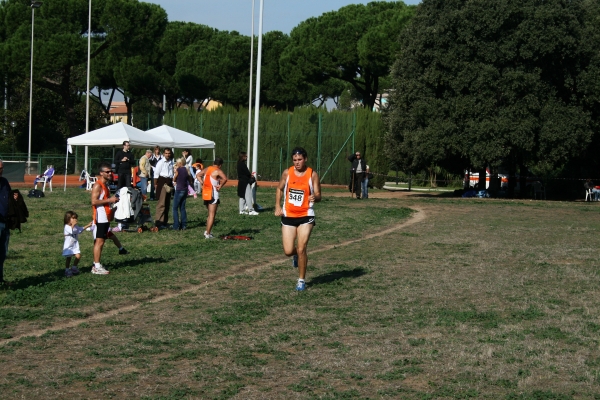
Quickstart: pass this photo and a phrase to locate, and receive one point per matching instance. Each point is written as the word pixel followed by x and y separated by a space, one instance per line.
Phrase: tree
pixel 488 83
pixel 176 38
pixel 216 68
pixel 356 44
pixel 60 51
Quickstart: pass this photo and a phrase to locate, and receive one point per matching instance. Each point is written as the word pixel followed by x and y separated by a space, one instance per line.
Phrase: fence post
pixel 288 137
pixel 228 136
pixel 201 133
pixel 319 144
pixel 353 130
pixel 409 180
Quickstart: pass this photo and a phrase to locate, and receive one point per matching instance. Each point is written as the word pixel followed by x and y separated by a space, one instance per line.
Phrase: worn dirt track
pixel 419 216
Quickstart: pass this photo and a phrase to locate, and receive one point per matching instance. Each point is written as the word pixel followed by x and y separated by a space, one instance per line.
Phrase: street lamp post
pixel 13 124
pixel 34 4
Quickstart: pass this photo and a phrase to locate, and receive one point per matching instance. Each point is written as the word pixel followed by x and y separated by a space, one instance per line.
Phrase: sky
pixel 236 15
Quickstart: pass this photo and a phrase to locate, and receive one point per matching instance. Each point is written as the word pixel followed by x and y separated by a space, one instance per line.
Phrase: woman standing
pixel 244 189
pixel 187 156
pixel 181 179
pixel 154 159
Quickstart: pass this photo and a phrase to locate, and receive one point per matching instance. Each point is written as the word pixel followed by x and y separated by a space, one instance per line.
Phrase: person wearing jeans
pixel 144 166
pixel 181 179
pixel 365 184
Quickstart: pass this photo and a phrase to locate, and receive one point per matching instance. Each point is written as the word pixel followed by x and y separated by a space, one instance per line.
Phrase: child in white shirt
pixel 71 246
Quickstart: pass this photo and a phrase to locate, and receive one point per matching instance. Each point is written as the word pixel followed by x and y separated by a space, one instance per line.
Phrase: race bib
pixel 296 197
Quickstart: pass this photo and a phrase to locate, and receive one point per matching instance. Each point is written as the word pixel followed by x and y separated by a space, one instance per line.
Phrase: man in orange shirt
pixel 300 188
pixel 102 215
pixel 214 180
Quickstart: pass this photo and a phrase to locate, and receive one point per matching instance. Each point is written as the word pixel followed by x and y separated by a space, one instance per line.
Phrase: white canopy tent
pixel 116 134
pixel 173 137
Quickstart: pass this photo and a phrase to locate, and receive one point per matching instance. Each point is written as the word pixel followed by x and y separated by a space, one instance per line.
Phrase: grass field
pixel 418 297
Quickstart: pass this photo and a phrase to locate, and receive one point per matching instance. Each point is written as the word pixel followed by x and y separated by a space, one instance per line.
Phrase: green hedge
pixel 328 137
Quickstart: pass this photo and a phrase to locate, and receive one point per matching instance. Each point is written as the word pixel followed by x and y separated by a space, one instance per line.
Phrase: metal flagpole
pixel 87 98
pixel 250 95
pixel 257 96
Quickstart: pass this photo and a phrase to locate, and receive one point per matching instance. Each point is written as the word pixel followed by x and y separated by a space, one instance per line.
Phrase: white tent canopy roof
pixel 115 135
pixel 173 137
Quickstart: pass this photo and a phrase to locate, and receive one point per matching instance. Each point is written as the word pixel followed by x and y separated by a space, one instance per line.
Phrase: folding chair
pixel 589 195
pixel 538 189
pixel 46 179
pixel 89 180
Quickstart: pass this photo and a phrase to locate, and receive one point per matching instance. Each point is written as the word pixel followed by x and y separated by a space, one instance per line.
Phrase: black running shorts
pixel 288 221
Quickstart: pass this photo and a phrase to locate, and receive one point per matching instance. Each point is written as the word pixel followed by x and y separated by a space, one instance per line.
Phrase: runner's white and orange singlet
pixel 102 213
pixel 208 188
pixel 297 190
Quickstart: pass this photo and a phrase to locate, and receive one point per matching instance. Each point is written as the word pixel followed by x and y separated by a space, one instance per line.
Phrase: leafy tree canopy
pixel 493 82
pixel 357 44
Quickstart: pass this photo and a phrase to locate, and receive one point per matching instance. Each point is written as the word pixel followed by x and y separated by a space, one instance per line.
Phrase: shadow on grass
pixel 241 232
pixel 60 273
pixel 337 275
pixel 140 262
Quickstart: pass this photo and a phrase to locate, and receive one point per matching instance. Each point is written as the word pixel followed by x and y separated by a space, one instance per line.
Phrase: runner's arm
pixel 223 180
pixel 279 194
pixel 315 197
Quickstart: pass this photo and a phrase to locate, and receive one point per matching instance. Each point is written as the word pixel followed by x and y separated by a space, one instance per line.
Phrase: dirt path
pixel 419 216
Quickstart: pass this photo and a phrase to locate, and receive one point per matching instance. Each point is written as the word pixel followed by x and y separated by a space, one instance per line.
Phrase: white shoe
pixel 243 212
pixel 252 212
pixel 208 235
pixel 100 270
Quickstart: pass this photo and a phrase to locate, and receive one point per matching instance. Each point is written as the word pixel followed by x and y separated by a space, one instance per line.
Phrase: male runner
pixel 300 189
pixel 101 208
pixel 214 180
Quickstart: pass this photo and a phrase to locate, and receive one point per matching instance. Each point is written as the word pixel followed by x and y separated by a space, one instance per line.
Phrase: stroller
pixel 133 211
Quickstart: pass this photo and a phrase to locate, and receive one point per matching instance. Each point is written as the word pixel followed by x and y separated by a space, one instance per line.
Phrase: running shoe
pixel 300 286
pixel 100 270
pixel 252 212
pixel 295 261
pixel 68 272
pixel 116 229
pixel 74 270
pixel 208 236
pixel 244 212
pixel 123 251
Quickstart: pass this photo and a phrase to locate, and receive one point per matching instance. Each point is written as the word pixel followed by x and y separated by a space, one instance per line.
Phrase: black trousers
pixel 124 180
pixel 356 184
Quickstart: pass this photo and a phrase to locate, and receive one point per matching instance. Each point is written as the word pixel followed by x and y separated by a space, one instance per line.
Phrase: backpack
pixel 36 193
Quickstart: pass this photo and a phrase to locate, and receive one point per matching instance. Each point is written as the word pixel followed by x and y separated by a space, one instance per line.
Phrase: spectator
pixel 187 156
pixel 154 159
pixel 163 184
pixel 103 213
pixel 359 167
pixel 123 164
pixel 244 188
pixel 214 180
pixel 49 172
pixel 5 192
pixel 181 179
pixel 145 169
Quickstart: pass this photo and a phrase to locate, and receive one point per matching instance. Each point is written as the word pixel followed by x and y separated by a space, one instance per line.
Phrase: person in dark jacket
pixel 124 161
pixel 358 171
pixel 5 194
pixel 244 188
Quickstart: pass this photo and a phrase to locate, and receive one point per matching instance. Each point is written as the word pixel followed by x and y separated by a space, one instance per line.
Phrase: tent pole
pixel 66 167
